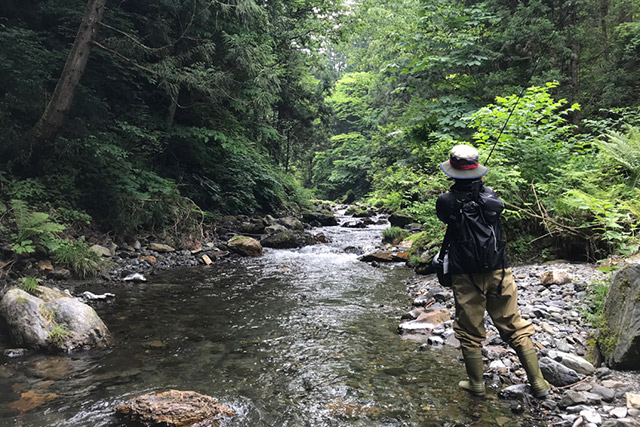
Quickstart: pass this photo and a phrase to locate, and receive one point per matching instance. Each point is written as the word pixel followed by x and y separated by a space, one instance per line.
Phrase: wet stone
pixel 633 400
pixel 603 372
pixel 176 408
pixel 606 394
pixel 514 392
pixel 558 374
pixel 435 341
pixel 620 412
pixel 573 398
pixel 14 352
pixel 440 330
pixel 622 422
pixel 591 416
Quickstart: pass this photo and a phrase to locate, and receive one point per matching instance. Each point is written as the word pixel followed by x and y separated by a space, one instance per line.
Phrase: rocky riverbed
pixel 555 299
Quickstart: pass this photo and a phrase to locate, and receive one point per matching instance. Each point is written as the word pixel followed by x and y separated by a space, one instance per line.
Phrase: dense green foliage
pixel 188 110
pixel 439 73
pixel 184 107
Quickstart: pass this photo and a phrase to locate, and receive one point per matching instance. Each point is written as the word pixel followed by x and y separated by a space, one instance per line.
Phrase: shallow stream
pixel 295 338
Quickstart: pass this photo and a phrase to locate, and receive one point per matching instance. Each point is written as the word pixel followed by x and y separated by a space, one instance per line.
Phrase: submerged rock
pixel 321 238
pixel 176 408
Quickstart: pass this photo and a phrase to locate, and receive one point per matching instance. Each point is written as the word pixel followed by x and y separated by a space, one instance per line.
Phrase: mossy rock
pixel 244 245
pixel 394 235
pixel 400 219
pixel 618 337
pixel 424 248
pixel 359 211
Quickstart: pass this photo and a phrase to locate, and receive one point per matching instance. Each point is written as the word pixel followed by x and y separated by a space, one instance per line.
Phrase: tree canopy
pixel 189 107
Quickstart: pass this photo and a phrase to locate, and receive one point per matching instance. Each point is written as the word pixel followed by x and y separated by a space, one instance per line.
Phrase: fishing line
pixel 513 108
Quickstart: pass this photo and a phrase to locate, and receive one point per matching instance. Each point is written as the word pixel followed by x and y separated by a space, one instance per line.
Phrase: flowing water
pixel 295 338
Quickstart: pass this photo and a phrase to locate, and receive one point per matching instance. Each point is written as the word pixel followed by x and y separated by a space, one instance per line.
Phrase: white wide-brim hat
pixel 463 163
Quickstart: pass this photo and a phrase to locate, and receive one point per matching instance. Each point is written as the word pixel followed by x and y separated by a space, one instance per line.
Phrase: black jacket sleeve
pixel 446 207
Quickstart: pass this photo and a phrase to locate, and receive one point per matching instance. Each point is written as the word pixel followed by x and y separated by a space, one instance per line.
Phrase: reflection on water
pixel 301 337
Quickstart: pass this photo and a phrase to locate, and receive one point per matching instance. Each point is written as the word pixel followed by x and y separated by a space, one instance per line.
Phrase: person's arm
pixel 444 207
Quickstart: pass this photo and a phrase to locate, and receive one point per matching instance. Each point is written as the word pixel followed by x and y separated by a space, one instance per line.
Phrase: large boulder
pixel 86 329
pixel 252 226
pixel 359 211
pixel 291 223
pixel 26 324
pixel 398 219
pixel 323 218
pixel 176 409
pixel 620 341
pixel 275 228
pixel 244 245
pixel 62 324
pixel 319 213
pixel 288 239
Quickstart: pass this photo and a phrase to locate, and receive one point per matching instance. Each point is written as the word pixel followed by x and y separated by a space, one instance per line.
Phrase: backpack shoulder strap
pixel 445 243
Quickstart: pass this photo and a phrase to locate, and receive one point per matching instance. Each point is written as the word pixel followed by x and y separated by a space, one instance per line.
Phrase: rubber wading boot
pixel 475 369
pixel 539 386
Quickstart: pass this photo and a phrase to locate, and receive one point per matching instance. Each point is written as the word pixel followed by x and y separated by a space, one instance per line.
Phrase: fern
pixel 625 150
pixel 33 227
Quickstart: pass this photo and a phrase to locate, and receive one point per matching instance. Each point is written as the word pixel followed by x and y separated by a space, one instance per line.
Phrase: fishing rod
pixel 515 104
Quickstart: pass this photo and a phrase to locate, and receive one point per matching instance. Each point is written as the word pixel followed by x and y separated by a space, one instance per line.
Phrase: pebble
pixel 618 412
pixel 606 394
pixel 633 400
pixel 435 341
pixel 572 398
pixel 591 416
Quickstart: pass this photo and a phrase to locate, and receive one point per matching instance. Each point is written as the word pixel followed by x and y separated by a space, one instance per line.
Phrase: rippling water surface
pixel 295 338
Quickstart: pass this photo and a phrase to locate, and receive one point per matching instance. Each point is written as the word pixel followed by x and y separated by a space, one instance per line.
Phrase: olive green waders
pixel 496 293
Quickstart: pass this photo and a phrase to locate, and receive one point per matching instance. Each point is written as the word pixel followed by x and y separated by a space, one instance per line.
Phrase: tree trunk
pixel 172 108
pixel 54 114
pixel 604 12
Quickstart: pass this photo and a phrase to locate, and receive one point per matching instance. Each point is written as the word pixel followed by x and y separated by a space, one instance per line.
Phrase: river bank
pixel 558 306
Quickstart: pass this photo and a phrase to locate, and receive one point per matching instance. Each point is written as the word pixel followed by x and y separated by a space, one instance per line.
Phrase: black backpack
pixel 474 235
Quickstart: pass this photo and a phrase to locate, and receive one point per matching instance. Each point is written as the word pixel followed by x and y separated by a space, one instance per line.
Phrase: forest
pixel 133 117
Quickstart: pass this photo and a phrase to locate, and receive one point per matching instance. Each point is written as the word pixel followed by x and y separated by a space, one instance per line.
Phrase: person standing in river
pixel 480 275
